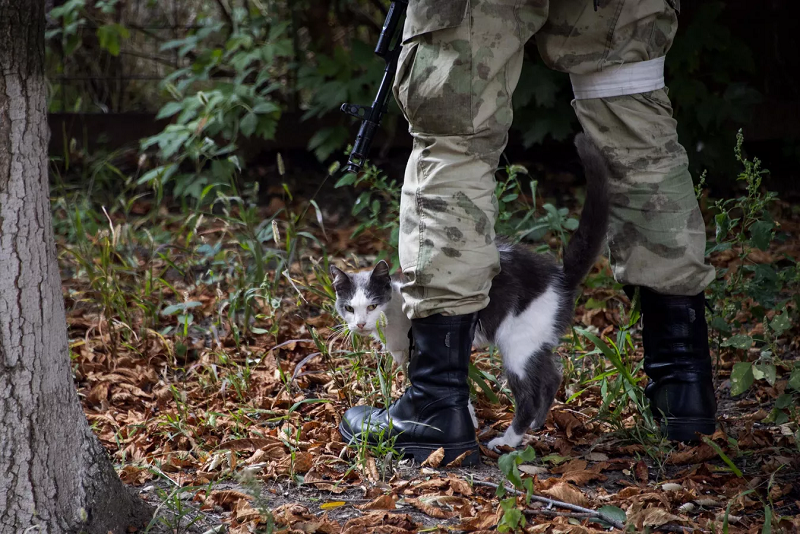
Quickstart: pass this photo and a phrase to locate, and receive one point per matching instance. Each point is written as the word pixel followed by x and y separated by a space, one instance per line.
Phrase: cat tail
pixel 586 243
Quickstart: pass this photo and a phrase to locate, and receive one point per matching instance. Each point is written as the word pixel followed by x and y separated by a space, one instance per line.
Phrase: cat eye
pixel 349 309
pixel 371 307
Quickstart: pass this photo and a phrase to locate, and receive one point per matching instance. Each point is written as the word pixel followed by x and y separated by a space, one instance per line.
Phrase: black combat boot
pixel 432 413
pixel 678 362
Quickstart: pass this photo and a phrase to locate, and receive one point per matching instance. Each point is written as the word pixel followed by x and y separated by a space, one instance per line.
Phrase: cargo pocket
pixel 433 86
pixel 425 16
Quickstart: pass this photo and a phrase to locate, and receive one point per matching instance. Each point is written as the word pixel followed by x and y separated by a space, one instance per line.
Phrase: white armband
pixel 626 79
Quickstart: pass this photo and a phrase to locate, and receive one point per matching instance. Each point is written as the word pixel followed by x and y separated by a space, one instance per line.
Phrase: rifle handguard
pixel 371 116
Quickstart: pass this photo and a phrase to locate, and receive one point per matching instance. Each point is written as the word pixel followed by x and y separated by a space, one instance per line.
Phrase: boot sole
pixel 421 451
pixel 687 429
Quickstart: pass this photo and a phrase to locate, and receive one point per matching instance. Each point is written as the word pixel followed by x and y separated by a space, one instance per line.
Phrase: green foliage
pixel 377 207
pixel 735 470
pixel 613 512
pixel 239 71
pixel 519 218
pixel 752 292
pixel 73 15
pixel 110 37
pixel 620 385
pixel 346 75
pixel 509 463
pixel 173 512
pixel 68 39
pixel 256 62
pixel 512 518
pixel 542 104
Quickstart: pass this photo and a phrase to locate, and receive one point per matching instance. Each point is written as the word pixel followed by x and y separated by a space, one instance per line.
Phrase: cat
pixel 531 304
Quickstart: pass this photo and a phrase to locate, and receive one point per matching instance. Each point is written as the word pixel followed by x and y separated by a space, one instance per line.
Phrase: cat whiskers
pixel 338 328
pixel 338 332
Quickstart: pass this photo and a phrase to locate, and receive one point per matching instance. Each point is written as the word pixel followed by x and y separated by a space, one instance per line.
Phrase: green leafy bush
pixel 753 291
pixel 225 95
pixel 260 60
pixel 73 15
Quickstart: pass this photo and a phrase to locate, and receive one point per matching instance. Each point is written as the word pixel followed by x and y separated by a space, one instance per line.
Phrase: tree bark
pixel 54 474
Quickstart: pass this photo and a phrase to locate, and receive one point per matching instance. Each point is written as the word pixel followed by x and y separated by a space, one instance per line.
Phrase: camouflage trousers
pixel 460 64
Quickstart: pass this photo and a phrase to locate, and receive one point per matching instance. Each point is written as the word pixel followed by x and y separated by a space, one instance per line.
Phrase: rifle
pixel 371 116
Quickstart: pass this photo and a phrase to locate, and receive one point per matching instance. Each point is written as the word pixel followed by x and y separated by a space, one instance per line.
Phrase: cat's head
pixel 362 296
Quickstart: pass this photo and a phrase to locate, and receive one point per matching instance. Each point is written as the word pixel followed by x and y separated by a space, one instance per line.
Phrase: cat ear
pixel 339 278
pixel 381 272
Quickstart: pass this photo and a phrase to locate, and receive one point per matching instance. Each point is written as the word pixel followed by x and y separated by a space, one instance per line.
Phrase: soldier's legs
pixel 656 232
pixel 460 63
pixel 615 59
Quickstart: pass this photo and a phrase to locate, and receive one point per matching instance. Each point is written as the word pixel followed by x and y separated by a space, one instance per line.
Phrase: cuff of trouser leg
pixel 423 310
pixel 627 79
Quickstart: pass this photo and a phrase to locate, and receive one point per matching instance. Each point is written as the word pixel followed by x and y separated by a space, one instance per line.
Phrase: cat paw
pixel 472 414
pixel 508 439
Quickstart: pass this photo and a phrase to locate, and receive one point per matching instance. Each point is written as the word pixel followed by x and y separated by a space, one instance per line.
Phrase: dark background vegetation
pixel 731 67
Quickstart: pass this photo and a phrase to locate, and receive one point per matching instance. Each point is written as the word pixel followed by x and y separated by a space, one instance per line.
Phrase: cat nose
pixel 361 325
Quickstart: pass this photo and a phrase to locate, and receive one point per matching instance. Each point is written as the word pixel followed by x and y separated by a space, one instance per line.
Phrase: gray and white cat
pixel 531 304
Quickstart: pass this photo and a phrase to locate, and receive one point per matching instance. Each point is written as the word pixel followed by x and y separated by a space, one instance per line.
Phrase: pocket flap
pixel 425 16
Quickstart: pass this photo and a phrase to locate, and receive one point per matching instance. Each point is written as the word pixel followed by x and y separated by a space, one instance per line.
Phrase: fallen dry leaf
pixel 563 491
pixel 317 526
pixel 301 463
pixel 250 444
pixel 131 474
pixel 443 506
pixel 459 459
pixel 244 512
pixel 482 521
pixel 460 486
pixel 581 478
pixel 291 513
pixel 382 523
pixel 694 455
pixel 228 499
pixel 572 465
pixel 434 459
pixel 652 517
pixel 384 502
pixel 372 469
pixel 533 469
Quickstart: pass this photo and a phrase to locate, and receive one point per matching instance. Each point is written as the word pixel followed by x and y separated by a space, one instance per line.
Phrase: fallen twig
pixel 556 513
pixel 574 507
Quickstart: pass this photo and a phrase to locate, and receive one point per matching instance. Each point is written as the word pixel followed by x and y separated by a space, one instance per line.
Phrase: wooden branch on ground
pixel 556 513
pixel 573 507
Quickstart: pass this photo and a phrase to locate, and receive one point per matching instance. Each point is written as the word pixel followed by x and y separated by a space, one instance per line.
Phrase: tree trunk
pixel 54 474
